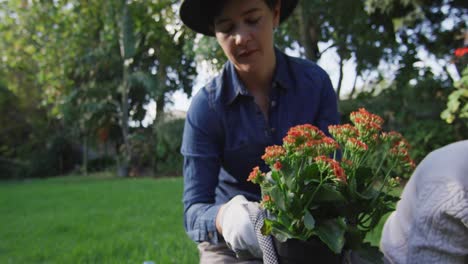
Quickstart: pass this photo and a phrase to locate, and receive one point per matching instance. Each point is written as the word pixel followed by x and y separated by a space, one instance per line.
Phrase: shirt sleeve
pixel 201 148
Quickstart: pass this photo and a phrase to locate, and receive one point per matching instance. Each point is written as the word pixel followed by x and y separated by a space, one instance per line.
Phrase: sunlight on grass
pixel 93 219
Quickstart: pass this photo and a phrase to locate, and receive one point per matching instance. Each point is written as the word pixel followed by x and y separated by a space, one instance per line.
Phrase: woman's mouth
pixel 246 54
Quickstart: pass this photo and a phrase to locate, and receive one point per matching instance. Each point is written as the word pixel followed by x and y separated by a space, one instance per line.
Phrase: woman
pixel 251 104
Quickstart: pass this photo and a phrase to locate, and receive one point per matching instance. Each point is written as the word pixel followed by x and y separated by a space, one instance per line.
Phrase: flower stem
pixel 384 182
pixel 315 192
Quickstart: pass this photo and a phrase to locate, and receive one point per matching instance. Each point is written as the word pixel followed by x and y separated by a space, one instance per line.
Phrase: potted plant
pixel 322 195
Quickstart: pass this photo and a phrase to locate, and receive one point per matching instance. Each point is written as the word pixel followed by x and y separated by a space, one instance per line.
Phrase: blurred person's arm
pixel 430 224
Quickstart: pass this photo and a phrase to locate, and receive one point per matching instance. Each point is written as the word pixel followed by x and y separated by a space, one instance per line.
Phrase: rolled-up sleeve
pixel 201 148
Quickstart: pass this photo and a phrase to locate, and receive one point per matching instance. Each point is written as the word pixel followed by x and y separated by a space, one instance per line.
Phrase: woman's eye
pixel 226 29
pixel 253 21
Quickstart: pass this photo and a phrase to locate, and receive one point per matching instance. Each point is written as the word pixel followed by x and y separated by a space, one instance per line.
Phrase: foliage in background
pixel 412 109
pixel 457 104
pixel 63 62
pixel 63 70
pixel 168 146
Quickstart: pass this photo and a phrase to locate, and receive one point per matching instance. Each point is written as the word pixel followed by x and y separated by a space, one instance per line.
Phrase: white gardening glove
pixel 238 230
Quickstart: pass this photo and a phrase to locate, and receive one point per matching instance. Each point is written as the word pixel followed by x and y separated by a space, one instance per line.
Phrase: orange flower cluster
pixel 303 133
pixel 350 184
pixel 332 166
pixel 399 151
pixel 343 132
pixel 256 176
pixel 273 153
pixel 391 137
pixel 346 164
pixel 368 125
pixel 277 166
pixel 356 145
pixel 362 116
pixel 267 201
pixel 309 140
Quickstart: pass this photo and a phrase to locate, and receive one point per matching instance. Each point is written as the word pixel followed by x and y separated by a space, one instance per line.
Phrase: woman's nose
pixel 242 37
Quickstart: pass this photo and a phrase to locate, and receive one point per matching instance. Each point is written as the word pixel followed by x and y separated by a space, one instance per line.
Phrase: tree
pixel 65 59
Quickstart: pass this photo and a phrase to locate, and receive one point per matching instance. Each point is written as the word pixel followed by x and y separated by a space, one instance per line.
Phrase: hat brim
pixel 193 16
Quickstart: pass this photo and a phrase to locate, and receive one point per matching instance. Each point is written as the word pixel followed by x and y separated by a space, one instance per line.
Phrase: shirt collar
pixel 234 86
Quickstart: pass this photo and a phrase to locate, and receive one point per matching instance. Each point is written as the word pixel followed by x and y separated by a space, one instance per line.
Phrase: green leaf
pixel 332 232
pixel 267 226
pixel 368 195
pixel 328 194
pixel 291 182
pixel 278 198
pixel 363 177
pixel 352 187
pixel 370 254
pixel 309 220
pixel 311 172
pixel 280 231
pixel 275 176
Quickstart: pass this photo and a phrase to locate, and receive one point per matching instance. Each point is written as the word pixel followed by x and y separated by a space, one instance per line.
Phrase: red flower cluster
pixel 303 133
pixel 343 132
pixel 277 166
pixel 256 176
pixel 356 145
pixel 273 153
pixel 363 116
pixel 346 164
pixel 267 201
pixel 460 52
pixel 331 166
pixel 304 178
pixel 309 140
pixel 391 137
pixel 368 125
pixel 399 151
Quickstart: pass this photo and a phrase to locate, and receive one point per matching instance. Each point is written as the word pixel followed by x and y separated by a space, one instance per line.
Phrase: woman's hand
pixel 234 224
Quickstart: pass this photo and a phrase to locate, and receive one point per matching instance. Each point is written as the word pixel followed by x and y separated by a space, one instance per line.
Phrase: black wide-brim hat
pixel 192 13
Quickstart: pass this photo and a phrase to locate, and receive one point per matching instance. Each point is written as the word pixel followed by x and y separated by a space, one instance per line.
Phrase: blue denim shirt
pixel 226 134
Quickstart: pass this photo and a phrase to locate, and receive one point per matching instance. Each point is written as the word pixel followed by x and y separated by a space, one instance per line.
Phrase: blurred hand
pixel 233 222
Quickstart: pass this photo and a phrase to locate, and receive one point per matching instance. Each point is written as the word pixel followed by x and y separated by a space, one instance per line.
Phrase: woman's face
pixel 244 30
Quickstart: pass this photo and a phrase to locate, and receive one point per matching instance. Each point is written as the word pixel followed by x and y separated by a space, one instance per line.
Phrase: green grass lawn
pixel 96 219
pixel 93 219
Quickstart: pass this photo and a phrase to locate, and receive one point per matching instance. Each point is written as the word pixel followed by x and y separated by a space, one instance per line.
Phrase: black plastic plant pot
pixel 295 251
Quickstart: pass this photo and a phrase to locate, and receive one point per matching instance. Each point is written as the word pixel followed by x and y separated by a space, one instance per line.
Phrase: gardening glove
pixel 238 230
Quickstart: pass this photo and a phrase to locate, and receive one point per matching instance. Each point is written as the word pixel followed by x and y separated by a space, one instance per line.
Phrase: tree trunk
pixel 308 32
pixel 160 103
pixel 340 79
pixel 126 52
pixel 354 86
pixel 125 156
pixel 85 155
pixel 162 79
